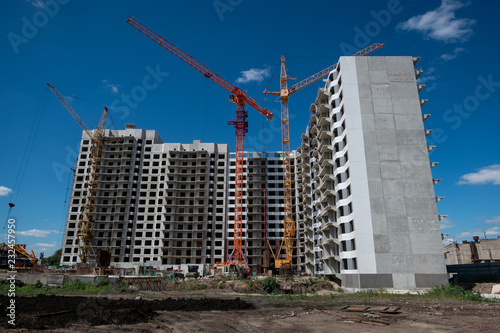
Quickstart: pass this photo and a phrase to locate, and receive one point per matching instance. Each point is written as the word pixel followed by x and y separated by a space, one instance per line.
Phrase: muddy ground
pixel 215 310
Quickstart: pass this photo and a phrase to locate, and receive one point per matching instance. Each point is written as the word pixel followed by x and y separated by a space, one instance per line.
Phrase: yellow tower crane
pixel 284 93
pixel 85 228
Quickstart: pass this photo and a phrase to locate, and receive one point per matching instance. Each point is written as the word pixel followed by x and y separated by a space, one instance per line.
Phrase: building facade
pixel 263 205
pixel 368 214
pixel 157 204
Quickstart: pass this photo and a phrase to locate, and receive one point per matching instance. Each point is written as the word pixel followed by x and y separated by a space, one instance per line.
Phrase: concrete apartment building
pixel 367 208
pixel 478 250
pixel 263 212
pixel 158 203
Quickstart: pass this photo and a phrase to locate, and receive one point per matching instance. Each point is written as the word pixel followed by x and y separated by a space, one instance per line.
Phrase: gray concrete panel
pixel 390 170
pixel 386 138
pixel 410 121
pixel 376 280
pixel 394 206
pixel 381 243
pixel 382 105
pixel 402 263
pixel 384 122
pixel 406 106
pixel 393 187
pixel 404 281
pixel 388 153
pixel 397 224
pixel 430 280
pixel 383 263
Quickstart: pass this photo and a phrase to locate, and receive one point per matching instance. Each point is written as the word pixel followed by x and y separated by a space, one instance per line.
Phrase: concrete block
pixel 387 153
pixel 383 263
pixel 418 188
pixel 403 64
pixel 406 106
pixel 373 170
pixel 366 105
pixel 376 281
pixel 375 63
pixel 377 205
pixel 415 171
pixel 416 206
pixel 368 121
pixel 401 90
pixel 55 280
pixel 409 121
pixel 370 139
pixel 410 137
pixel 384 122
pixel 381 91
pixel 382 105
pixel 381 243
pixel 390 170
pixel 397 224
pixel 364 90
pixel 379 224
pixel 402 76
pixel 402 263
pixel 495 289
pixel 404 281
pixel 375 187
pixel 386 138
pixel 393 187
pixel 430 280
pixel 394 206
pixel 399 243
pixel 371 153
pixel 363 76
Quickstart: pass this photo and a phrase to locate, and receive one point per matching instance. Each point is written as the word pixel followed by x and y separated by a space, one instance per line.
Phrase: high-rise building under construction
pixel 364 202
pixel 368 213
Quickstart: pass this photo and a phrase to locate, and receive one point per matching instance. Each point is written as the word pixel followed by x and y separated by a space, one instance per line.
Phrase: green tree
pixel 55 259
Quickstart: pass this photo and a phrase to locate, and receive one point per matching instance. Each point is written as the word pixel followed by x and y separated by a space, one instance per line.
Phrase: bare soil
pixel 224 310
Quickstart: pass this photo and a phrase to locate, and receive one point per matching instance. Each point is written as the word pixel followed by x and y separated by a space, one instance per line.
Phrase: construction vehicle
pixel 85 227
pixel 285 264
pixel 240 123
pixel 23 258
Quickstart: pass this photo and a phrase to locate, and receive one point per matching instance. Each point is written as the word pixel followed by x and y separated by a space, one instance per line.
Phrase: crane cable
pixel 26 155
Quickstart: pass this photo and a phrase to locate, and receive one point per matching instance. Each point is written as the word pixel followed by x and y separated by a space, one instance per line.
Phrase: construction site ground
pixel 229 309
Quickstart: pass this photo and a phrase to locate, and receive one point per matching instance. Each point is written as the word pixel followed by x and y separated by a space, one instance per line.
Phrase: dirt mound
pixel 49 311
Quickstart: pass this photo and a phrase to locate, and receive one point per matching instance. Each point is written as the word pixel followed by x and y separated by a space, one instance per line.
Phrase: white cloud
pixel 493 220
pixel 446 224
pixel 456 52
pixel 36 3
pixel 4 191
pixel 253 74
pixel 468 234
pixel 113 87
pixel 36 233
pixel 441 23
pixel 448 241
pixel 42 247
pixel 424 79
pixel 488 174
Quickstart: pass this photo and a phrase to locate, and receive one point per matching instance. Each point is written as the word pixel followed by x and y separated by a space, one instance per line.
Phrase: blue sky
pixel 86 48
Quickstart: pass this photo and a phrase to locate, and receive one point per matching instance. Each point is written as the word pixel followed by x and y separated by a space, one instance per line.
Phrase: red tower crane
pixel 240 123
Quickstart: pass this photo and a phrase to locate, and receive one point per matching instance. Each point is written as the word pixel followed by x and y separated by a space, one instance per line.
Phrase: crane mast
pixel 85 227
pixel 284 93
pixel 240 123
